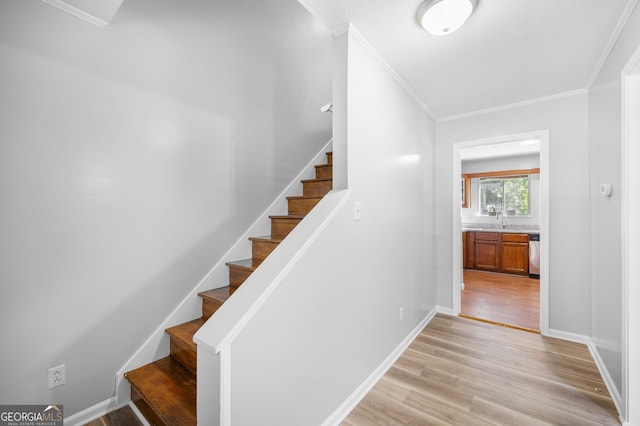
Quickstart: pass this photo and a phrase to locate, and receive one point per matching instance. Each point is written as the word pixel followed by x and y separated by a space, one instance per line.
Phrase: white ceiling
pixel 509 51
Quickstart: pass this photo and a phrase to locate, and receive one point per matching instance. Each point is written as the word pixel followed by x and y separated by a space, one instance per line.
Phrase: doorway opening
pixel 500 229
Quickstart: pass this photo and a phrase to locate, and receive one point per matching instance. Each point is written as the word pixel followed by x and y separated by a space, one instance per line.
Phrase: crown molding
pixel 77 12
pixel 612 42
pixel 385 65
pixel 514 105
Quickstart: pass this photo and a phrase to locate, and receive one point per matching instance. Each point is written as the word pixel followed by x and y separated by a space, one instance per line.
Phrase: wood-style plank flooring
pixel 501 298
pixel 121 417
pixel 464 372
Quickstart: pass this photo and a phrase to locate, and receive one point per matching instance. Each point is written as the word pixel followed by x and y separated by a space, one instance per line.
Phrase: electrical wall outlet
pixel 57 376
pixel 401 313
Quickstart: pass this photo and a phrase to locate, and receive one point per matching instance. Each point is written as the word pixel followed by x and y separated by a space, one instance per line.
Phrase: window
pixel 509 195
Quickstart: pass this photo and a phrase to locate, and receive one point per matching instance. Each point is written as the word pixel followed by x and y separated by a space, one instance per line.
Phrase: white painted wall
pixel 605 167
pixel 529 161
pixel 335 316
pixel 131 158
pixel 566 120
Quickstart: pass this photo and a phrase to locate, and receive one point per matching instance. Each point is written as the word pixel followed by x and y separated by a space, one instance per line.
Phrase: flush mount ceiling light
pixel 442 17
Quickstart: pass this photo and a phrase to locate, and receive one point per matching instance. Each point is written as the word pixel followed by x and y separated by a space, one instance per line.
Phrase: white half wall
pixel 361 286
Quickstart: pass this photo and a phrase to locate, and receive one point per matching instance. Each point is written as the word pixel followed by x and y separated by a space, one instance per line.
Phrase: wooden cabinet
pixel 487 251
pixel 468 250
pixel 515 253
pixel 496 251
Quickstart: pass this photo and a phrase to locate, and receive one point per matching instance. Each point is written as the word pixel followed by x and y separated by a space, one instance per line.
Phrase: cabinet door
pixel 487 255
pixel 469 250
pixel 515 258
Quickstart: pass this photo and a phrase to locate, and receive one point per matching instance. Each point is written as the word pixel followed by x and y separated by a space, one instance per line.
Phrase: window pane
pixel 516 195
pixel 508 195
pixel 490 195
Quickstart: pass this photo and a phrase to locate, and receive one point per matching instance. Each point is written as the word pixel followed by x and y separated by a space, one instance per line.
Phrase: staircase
pixel 165 390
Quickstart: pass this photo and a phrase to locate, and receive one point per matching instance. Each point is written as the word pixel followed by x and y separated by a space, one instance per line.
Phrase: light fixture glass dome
pixel 442 17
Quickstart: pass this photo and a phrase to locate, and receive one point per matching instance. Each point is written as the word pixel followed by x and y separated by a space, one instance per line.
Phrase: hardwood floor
pixel 505 299
pixel 464 372
pixel 121 417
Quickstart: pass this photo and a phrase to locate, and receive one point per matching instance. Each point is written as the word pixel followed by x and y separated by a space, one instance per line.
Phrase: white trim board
pixel 354 399
pixel 612 42
pixel 384 64
pixel 606 377
pixel 602 369
pixel 361 391
pixel 630 234
pixel 456 229
pixel 514 105
pixel 77 12
pixel 96 411
pixel 102 409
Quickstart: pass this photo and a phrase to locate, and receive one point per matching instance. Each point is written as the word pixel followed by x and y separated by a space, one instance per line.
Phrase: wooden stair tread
pixel 304 197
pixel 316 180
pixel 213 299
pixel 266 239
pixel 169 389
pixel 165 390
pixel 242 264
pixel 220 294
pixel 288 216
pixel 184 332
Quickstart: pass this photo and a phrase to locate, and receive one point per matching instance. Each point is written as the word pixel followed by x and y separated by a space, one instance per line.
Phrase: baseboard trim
pixel 354 399
pixel 98 410
pixel 602 368
pixel 102 409
pixel 570 337
pixel 446 311
pixel 608 381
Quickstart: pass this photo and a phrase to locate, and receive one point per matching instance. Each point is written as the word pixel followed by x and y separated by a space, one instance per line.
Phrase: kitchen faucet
pixel 500 214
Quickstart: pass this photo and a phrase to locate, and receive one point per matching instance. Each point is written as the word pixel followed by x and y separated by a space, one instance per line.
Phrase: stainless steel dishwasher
pixel 534 256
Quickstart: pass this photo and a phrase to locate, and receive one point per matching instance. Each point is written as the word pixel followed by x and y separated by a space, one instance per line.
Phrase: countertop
pixel 507 229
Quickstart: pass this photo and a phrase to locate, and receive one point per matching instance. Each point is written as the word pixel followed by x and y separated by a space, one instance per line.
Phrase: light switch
pixel 606 189
pixel 356 213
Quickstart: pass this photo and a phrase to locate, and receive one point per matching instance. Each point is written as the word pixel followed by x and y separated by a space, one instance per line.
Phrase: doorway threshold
pixel 501 324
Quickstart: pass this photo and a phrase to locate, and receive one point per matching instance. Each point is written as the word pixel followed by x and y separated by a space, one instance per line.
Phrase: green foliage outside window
pixel 508 195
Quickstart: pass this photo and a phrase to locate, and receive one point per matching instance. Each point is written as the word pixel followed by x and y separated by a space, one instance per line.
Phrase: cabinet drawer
pixel 488 236
pixel 515 238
